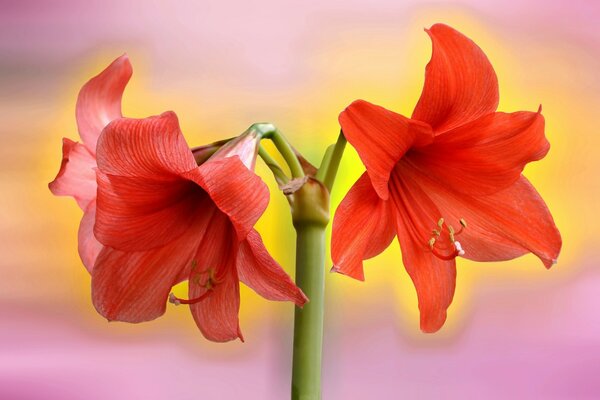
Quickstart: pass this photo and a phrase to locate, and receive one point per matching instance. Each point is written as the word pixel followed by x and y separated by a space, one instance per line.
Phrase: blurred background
pixel 514 330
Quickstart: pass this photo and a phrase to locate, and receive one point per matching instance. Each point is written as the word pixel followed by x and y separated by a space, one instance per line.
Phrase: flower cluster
pixel 447 182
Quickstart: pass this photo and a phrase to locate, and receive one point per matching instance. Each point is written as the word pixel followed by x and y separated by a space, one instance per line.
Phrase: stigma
pixel 446 236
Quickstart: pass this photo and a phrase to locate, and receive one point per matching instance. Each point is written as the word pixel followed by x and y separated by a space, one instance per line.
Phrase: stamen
pixel 209 285
pixel 458 250
pixel 177 301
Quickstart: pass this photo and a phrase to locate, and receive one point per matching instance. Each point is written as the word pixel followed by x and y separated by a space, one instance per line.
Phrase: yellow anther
pixel 441 222
pixel 451 233
pixel 463 222
pixel 436 232
pixel 431 243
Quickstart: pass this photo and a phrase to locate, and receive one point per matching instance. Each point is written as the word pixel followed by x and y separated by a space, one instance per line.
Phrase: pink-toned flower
pixel 164 219
pixel 99 102
pixel 455 162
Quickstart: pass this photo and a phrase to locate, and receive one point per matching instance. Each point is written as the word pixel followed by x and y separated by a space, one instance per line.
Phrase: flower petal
pixel 143 202
pixel 486 155
pixel 258 270
pixel 434 278
pixel 217 314
pixel 134 286
pixel 99 100
pixel 363 226
pixel 136 214
pixel 245 146
pixel 460 83
pixel 236 190
pixel 76 176
pixel 152 148
pixel 88 246
pixel 381 137
pixel 501 226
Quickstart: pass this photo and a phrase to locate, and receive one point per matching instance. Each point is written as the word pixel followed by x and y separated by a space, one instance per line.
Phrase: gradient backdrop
pixel 514 331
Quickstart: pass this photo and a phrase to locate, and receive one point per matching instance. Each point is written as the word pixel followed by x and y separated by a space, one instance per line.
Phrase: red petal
pixel 485 155
pixel 143 202
pixel 99 100
pixel 89 247
pixel 236 190
pixel 460 83
pixel 381 137
pixel 217 314
pixel 140 214
pixel 152 148
pixel 434 278
pixel 257 269
pixel 76 176
pixel 501 226
pixel 363 226
pixel 134 286
pixel 244 146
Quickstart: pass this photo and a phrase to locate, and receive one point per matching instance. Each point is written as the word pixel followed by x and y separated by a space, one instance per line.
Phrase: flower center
pixel 444 229
pixel 209 284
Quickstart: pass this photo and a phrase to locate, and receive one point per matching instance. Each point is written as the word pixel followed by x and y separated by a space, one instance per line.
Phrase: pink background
pixel 514 331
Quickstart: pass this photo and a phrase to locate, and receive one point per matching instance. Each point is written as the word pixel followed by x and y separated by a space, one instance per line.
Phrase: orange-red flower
pixel 98 103
pixel 164 219
pixel 447 181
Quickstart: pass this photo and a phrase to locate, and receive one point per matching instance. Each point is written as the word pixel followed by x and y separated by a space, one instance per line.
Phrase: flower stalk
pixel 310 212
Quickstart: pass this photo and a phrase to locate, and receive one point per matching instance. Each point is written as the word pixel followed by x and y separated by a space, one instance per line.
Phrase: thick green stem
pixel 331 162
pixel 308 323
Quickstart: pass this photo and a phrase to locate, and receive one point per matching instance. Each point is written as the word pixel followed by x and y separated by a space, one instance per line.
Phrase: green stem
pixel 308 323
pixel 331 162
pixel 273 165
pixel 286 152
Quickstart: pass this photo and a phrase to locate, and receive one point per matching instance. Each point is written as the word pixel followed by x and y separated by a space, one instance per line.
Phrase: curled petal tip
pixel 304 300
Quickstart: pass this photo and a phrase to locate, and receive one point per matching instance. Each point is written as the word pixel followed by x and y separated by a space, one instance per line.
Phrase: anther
pixel 463 226
pixel 451 233
pixel 431 243
pixel 441 222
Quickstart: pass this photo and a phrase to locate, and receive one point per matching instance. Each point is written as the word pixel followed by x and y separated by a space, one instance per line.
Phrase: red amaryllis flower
pixel 164 219
pixel 455 162
pixel 99 102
